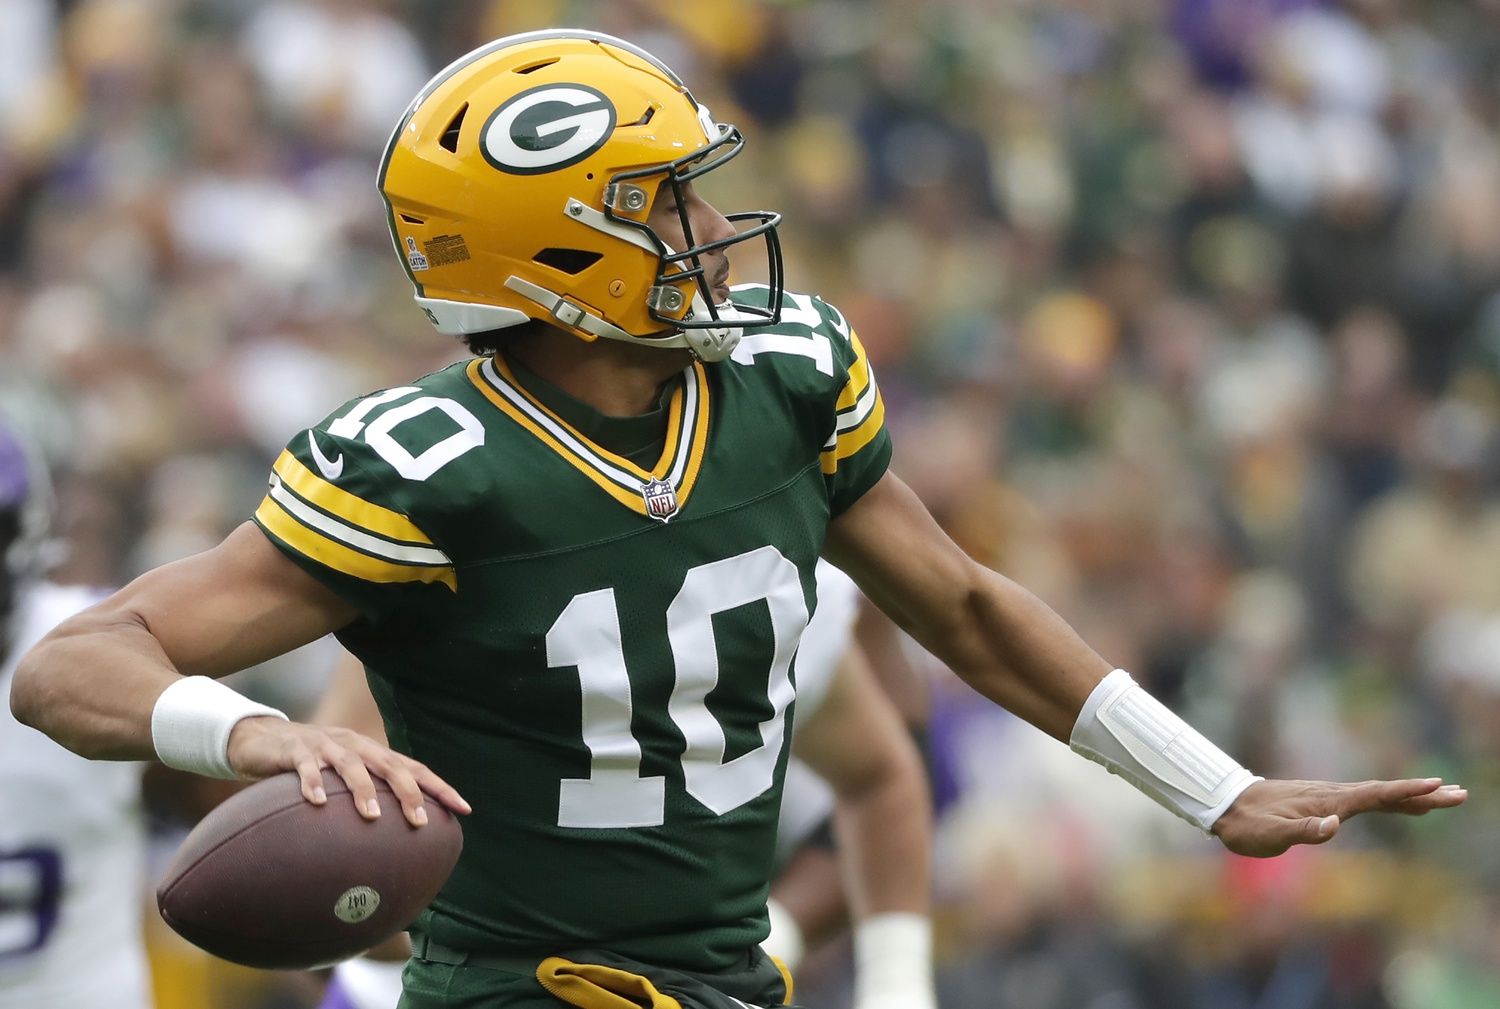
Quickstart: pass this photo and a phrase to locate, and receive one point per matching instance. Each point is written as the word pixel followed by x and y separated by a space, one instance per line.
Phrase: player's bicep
pixel 899 556
pixel 228 608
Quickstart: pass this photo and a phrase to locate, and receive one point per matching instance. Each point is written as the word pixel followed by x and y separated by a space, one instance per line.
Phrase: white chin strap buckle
pixel 716 342
pixel 712 345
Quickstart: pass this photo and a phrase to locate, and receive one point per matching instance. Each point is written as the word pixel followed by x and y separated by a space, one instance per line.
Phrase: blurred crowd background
pixel 1187 314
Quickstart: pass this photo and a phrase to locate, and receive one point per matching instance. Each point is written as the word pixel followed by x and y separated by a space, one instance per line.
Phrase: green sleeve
pixel 333 507
pixel 858 451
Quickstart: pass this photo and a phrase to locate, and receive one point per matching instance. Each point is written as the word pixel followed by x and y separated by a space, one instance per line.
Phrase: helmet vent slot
pixel 533 67
pixel 412 220
pixel 449 141
pixel 569 261
pixel 645 117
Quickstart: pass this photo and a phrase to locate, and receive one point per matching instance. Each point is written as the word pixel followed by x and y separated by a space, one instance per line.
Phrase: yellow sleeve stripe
pixel 859 375
pixel 350 508
pixel 854 439
pixel 346 560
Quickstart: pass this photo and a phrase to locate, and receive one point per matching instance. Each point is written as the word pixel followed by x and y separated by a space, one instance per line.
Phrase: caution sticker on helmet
pixel 446 249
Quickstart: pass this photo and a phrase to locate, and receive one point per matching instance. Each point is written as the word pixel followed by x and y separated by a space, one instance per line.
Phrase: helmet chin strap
pixel 715 343
pixel 709 344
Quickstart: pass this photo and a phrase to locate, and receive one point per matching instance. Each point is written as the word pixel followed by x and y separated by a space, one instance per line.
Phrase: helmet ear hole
pixel 449 140
pixel 533 67
pixel 569 261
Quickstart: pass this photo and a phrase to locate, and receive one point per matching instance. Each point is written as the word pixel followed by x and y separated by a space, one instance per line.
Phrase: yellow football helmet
pixel 519 182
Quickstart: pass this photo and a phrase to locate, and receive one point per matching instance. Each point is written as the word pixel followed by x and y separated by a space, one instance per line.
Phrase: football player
pixel 576 567
pixel 72 841
pixel 851 758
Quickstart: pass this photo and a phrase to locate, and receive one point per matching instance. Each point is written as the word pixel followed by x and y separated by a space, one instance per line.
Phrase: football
pixel 269 880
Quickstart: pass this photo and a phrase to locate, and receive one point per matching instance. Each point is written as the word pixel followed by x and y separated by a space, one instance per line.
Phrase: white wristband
pixel 893 962
pixel 785 942
pixel 1135 736
pixel 192 720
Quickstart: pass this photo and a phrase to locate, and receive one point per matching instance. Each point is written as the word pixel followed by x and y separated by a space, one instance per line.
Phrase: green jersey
pixel 595 649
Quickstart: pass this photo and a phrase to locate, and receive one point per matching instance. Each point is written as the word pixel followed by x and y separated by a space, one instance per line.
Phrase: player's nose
pixel 709 225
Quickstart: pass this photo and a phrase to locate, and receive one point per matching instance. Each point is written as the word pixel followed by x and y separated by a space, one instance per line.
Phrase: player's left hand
pixel 1270 816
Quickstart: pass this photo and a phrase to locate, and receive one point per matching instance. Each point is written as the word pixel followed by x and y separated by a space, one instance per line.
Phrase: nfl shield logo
pixel 661 499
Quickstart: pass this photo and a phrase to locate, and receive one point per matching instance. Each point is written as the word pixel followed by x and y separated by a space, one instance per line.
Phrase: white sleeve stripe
pixel 854 417
pixel 353 537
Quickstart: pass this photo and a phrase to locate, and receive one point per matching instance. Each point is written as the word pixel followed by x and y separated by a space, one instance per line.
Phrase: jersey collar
pixel 658 493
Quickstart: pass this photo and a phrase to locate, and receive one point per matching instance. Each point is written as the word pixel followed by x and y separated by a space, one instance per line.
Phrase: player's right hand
pixel 1273 815
pixel 262 747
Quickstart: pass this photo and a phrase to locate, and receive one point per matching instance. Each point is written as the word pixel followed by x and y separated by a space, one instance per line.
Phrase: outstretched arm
pixel 93 684
pixel 1016 651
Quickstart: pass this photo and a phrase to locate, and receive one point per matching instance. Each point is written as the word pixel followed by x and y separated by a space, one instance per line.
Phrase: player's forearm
pixel 1003 640
pixel 1023 655
pixel 94 682
pixel 884 835
pixel 91 685
pixel 1012 648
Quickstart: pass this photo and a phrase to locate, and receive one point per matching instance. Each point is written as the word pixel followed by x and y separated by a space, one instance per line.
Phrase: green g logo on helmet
pixel 547 128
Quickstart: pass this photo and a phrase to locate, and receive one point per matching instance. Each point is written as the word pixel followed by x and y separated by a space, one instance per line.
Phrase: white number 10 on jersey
pixel 587 636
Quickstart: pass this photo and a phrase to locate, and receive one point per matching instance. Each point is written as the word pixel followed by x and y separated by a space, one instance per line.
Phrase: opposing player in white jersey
pixel 851 759
pixel 72 839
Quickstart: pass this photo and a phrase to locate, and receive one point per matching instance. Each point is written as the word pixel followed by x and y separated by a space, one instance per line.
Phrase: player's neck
pixel 617 379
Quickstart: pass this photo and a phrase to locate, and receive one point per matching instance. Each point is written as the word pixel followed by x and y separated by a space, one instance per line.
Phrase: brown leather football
pixel 270 880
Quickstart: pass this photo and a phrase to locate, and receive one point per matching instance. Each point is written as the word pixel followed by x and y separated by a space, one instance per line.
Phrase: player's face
pixel 707 224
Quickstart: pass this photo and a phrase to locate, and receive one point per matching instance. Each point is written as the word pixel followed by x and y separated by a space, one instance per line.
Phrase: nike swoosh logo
pixel 330 468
